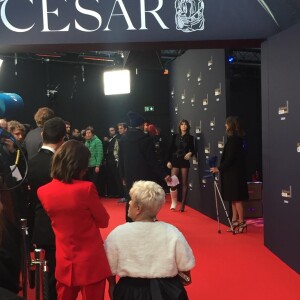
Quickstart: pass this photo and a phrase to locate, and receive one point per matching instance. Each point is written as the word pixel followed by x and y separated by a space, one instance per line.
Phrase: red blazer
pixel 76 214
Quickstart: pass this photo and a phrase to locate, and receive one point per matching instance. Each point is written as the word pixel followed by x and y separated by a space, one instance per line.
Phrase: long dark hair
pixel 234 126
pixel 183 121
pixel 70 161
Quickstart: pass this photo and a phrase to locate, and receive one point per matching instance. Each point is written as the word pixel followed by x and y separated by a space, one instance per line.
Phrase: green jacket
pixel 96 148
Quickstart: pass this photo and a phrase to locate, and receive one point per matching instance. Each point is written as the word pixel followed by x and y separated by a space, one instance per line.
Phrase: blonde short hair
pixel 14 125
pixel 149 195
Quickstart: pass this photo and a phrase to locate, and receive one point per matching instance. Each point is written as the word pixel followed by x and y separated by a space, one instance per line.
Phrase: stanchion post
pixel 25 257
pixel 45 281
pixel 39 259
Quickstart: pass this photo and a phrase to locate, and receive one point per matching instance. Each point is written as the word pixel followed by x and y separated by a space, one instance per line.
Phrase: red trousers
pixel 93 291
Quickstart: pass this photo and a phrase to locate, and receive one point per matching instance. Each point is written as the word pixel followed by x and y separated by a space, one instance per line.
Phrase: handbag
pixel 185 278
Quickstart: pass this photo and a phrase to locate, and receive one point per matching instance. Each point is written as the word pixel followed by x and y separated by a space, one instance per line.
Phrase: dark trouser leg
pixel 184 179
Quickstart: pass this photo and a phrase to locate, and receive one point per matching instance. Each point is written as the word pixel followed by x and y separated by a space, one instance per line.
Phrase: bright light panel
pixel 116 82
pixel 1 62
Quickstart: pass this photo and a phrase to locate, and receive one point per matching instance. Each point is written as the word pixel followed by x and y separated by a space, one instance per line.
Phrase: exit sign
pixel 149 108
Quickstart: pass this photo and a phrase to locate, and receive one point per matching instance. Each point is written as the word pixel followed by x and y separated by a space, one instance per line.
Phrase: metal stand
pixel 26 260
pixel 41 275
pixel 216 190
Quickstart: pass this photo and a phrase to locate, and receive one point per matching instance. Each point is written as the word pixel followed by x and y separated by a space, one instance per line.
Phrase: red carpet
pixel 228 266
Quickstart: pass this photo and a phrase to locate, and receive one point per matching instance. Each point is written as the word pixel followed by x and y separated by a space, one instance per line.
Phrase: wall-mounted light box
pixel 149 108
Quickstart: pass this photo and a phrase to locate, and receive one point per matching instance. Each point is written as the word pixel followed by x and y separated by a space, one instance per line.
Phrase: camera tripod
pixel 217 191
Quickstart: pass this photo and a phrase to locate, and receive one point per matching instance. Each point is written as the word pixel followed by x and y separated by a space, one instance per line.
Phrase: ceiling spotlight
pixel 231 59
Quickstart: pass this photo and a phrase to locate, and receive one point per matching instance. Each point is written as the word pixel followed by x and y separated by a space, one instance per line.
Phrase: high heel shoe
pixel 241 227
pixel 234 224
pixel 182 206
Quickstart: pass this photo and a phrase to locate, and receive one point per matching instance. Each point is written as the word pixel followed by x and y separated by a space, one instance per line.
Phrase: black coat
pixel 137 158
pixel 7 295
pixel 233 170
pixel 39 174
pixel 33 141
pixel 10 257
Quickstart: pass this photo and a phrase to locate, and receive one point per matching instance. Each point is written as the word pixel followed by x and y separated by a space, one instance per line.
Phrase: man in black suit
pixel 33 139
pixel 39 174
pixel 114 184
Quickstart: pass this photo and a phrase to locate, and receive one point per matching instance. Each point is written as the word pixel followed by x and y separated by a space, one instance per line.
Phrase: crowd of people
pixel 54 176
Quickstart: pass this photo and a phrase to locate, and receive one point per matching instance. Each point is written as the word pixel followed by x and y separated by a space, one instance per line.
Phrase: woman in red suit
pixel 76 214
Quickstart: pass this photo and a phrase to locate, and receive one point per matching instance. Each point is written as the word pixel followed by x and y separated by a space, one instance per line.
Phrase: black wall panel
pixel 244 100
pixel 281 144
pixel 197 94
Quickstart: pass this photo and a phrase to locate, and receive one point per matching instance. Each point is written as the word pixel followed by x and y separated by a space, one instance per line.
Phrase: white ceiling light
pixel 116 82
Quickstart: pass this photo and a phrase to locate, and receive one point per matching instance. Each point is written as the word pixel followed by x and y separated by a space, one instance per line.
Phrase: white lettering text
pixel 153 12
pixel 125 14
pixel 45 18
pixel 8 24
pixel 89 13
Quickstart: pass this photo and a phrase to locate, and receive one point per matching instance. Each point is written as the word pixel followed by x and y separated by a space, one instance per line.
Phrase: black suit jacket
pixel 38 175
pixel 33 141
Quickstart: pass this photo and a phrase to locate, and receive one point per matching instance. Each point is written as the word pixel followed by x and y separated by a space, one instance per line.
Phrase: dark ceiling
pixel 134 59
pixel 148 59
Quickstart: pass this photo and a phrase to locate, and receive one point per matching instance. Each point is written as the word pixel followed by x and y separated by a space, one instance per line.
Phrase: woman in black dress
pixel 180 152
pixel 232 169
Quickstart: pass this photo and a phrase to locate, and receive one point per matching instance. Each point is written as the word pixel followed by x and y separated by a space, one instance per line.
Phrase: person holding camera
pixel 181 150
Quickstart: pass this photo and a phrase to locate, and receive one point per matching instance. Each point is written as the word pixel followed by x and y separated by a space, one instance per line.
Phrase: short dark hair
pixel 69 161
pixel 54 130
pixel 91 128
pixel 123 124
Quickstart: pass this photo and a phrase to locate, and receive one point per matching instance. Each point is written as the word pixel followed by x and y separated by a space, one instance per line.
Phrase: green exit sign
pixel 149 108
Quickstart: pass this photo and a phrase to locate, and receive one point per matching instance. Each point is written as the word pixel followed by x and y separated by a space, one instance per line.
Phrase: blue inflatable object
pixel 10 105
